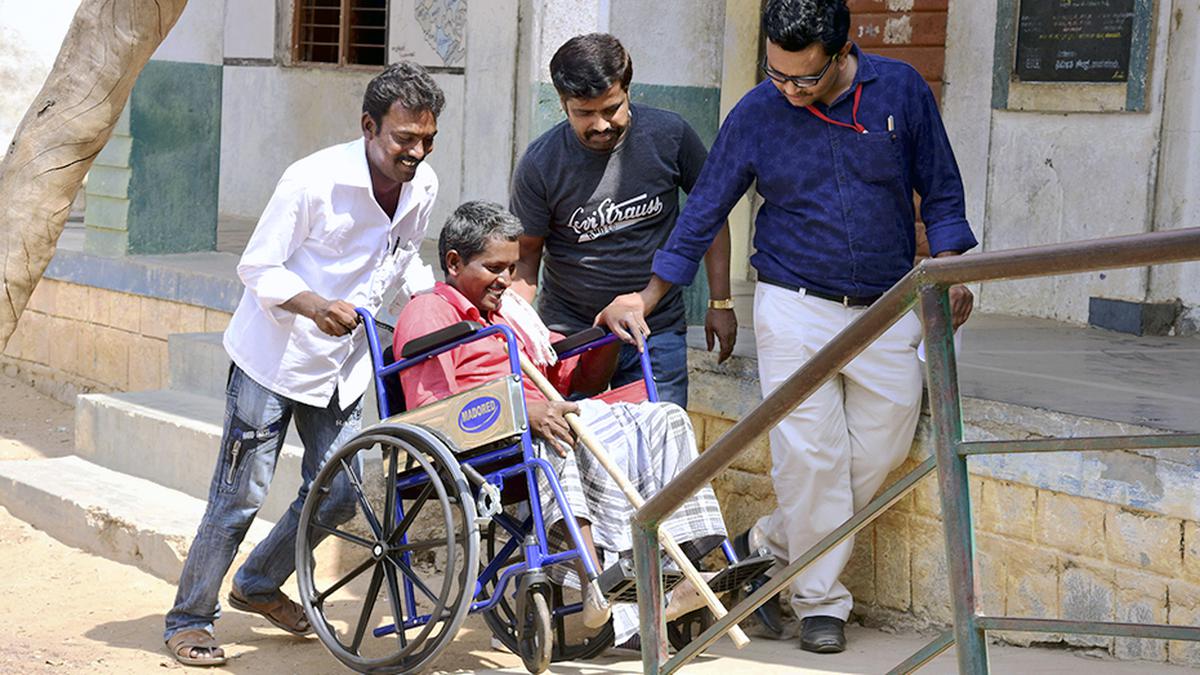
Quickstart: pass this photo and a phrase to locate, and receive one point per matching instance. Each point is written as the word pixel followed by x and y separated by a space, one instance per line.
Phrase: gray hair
pixel 472 224
pixel 406 83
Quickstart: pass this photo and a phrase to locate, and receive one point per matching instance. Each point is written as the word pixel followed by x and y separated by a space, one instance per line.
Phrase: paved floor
pixel 1153 381
pixel 869 651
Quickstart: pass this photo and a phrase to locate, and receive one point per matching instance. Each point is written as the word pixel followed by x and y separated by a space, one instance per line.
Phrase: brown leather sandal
pixel 195 647
pixel 280 610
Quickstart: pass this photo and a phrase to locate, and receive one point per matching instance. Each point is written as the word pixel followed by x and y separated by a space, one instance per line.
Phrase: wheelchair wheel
pixel 535 644
pixel 370 556
pixel 688 627
pixel 572 641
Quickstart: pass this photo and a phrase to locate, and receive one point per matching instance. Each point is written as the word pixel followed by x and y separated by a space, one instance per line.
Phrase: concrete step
pixel 111 514
pixel 197 363
pixel 200 365
pixel 171 438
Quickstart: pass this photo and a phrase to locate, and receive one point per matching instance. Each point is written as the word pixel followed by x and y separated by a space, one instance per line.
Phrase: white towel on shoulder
pixel 534 334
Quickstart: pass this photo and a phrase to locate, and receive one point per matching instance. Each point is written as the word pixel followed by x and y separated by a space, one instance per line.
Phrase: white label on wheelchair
pixel 484 415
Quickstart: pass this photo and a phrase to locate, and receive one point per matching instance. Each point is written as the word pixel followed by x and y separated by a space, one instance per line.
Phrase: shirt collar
pixel 865 73
pixel 354 171
pixel 458 301
pixel 866 67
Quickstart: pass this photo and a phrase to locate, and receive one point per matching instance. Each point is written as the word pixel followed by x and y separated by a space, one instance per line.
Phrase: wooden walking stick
pixel 668 542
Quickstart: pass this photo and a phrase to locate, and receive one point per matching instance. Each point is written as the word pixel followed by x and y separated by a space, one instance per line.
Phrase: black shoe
pixel 767 614
pixel 823 634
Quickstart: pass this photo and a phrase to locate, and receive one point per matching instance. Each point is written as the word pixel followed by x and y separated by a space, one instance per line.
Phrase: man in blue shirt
pixel 837 141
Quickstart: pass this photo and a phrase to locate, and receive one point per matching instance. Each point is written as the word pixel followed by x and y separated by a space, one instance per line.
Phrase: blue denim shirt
pixel 837 213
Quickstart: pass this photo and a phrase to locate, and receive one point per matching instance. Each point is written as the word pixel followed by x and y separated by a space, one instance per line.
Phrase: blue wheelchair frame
pixel 530 535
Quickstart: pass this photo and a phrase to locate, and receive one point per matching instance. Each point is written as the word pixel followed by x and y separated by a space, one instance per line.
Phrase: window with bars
pixel 343 32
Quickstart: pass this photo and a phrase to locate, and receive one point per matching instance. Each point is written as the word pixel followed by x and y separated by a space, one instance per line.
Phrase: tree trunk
pixel 107 45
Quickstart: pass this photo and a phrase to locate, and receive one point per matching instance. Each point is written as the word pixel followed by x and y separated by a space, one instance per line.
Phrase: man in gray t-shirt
pixel 598 195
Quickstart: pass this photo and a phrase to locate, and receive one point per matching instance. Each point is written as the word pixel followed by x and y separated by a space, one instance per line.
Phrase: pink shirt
pixel 466 366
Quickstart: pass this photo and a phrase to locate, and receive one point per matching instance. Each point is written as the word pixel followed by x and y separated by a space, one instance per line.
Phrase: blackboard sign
pixel 1074 40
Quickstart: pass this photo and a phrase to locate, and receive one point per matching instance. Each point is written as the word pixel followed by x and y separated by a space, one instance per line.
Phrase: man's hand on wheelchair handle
pixel 722 325
pixel 625 316
pixel 547 420
pixel 336 318
pixel 333 317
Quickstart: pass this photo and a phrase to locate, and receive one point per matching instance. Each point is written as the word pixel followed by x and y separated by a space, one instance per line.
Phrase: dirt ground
pixel 67 611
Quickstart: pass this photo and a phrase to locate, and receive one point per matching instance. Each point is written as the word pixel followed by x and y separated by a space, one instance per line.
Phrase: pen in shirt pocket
pixel 891 124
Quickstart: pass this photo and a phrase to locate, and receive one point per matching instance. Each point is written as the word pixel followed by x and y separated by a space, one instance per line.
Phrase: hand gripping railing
pixel 927 284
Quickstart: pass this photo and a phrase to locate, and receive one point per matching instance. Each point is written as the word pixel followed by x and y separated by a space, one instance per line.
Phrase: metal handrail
pixel 927 284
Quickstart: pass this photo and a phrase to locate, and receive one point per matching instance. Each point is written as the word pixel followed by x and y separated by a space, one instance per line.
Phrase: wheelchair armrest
pixel 439 338
pixel 578 339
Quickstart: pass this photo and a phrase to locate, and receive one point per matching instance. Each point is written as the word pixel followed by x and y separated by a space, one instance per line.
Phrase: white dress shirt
pixel 324 232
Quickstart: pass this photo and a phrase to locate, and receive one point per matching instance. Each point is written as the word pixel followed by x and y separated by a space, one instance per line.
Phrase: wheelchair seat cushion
pixel 634 392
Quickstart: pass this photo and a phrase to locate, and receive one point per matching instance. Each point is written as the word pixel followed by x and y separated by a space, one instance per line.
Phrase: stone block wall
pixel 74 338
pixel 1040 552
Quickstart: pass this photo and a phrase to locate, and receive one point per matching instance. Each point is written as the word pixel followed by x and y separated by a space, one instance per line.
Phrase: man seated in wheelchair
pixel 652 442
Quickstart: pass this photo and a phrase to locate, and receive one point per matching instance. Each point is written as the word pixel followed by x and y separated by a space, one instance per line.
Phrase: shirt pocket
pixel 874 158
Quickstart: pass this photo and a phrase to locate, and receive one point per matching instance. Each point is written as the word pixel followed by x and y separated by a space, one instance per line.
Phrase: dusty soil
pixel 33 425
pixel 67 611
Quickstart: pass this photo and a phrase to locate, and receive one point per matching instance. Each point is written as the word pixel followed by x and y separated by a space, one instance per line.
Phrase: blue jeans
pixel 256 420
pixel 668 360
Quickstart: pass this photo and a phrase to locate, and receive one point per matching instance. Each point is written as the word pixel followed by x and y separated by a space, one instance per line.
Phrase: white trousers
pixel 833 452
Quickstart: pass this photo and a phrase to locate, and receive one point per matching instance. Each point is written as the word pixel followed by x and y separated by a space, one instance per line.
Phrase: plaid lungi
pixel 652 443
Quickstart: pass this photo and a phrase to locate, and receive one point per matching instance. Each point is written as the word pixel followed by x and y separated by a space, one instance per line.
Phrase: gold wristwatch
pixel 721 304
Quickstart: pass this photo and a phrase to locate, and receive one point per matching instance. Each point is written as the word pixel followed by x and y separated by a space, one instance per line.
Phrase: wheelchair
pixel 434 514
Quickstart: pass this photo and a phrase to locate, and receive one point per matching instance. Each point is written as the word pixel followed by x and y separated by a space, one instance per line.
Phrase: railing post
pixel 647 565
pixel 946 411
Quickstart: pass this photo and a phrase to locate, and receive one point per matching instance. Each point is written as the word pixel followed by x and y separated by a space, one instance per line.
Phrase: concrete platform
pixel 868 652
pixel 1150 381
pixel 1032 362
pixel 1066 368
pixel 171 438
pixel 112 514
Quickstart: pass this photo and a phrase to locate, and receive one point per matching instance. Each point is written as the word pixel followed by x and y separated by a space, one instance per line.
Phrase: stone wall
pixel 1041 552
pixel 76 339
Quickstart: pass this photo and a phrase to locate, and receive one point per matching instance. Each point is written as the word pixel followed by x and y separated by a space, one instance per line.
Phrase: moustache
pixel 604 134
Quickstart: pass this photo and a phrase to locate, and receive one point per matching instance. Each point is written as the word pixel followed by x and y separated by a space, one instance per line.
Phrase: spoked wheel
pixel 370 555
pixel 688 627
pixel 535 644
pixel 572 640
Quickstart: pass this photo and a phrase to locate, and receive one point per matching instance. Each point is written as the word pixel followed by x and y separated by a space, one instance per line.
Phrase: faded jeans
pixel 256 420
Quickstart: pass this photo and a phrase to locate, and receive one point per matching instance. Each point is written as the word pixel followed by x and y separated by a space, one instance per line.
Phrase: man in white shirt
pixel 342 228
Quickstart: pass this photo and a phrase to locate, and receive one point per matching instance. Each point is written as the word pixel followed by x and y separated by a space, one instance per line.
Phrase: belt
pixel 844 300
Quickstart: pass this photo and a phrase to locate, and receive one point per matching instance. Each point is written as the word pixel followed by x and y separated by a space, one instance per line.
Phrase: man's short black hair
pixel 587 65
pixel 796 24
pixel 472 224
pixel 404 82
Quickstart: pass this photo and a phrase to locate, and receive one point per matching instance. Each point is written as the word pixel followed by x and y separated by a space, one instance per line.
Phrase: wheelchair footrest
pixel 619 582
pixel 741 573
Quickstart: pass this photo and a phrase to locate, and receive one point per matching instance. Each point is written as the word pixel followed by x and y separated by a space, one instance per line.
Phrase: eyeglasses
pixel 799 81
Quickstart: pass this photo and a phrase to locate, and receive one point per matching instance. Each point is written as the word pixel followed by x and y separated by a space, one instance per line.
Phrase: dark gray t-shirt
pixel 603 215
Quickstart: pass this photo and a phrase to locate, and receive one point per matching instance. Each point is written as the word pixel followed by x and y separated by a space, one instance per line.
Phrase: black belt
pixel 844 300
